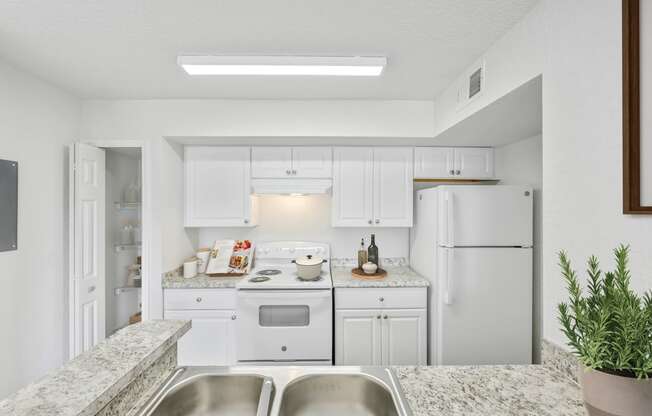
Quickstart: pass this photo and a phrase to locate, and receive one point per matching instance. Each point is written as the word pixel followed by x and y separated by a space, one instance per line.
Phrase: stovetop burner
pixel 259 279
pixel 268 272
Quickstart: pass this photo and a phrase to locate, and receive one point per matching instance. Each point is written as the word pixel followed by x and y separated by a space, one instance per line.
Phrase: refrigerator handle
pixel 448 276
pixel 450 219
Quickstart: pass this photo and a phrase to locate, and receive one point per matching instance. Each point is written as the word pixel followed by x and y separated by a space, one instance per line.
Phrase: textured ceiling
pixel 128 48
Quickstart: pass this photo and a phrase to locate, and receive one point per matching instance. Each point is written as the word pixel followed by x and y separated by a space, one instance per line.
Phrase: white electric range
pixel 282 319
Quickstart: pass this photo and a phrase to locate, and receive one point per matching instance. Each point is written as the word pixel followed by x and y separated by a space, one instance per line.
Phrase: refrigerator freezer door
pixel 485 216
pixel 484 308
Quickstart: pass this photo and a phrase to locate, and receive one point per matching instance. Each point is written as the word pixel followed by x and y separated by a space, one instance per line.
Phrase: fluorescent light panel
pixel 360 66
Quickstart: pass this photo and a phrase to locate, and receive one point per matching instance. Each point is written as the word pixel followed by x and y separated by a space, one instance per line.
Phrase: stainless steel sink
pixel 214 395
pixel 278 391
pixel 337 394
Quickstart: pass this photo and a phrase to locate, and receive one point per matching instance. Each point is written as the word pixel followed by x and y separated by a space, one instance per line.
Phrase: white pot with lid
pixel 309 267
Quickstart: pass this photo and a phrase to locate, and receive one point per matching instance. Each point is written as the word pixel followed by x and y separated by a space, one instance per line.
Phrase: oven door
pixel 284 325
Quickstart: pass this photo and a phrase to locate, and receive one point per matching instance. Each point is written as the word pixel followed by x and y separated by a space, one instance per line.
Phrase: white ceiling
pixel 128 48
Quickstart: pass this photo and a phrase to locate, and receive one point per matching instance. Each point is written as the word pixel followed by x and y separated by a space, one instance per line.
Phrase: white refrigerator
pixel 474 243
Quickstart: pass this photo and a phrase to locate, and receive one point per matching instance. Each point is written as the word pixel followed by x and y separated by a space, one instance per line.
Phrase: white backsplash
pixel 308 218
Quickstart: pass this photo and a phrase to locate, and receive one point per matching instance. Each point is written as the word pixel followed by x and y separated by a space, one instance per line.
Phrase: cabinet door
pixel 474 163
pixel 357 337
pixel 312 162
pixel 433 162
pixel 393 175
pixel 217 186
pixel 404 334
pixel 210 341
pixel 352 187
pixel 271 162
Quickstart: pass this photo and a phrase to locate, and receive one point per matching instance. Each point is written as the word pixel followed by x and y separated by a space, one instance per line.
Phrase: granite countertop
pixel 174 280
pixel 399 274
pixel 86 384
pixel 490 391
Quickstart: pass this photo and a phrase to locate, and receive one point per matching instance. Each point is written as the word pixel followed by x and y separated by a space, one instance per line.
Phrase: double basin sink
pixel 279 391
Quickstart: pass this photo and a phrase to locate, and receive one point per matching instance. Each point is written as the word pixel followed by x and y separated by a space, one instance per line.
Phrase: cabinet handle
pixel 385 317
pixel 287 172
pixel 457 172
pixel 382 299
pixel 246 221
pixel 371 222
pixel 198 300
pixel 294 172
pixel 377 221
pixel 378 317
pixel 233 317
pixel 452 172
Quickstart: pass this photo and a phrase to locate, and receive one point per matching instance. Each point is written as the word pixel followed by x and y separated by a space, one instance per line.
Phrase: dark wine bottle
pixel 373 250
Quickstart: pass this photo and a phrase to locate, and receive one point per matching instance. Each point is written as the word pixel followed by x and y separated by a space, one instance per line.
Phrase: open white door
pixel 87 247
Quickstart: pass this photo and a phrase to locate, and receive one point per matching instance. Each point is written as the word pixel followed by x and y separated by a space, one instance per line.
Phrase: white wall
pixel 521 163
pixel 308 218
pixel 576 45
pixel 37 122
pixel 582 148
pixel 154 120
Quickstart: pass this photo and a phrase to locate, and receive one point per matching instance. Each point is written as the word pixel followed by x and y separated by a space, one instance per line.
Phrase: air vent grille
pixel 475 83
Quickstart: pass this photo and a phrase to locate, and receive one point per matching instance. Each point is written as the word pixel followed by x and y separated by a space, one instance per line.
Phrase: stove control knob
pixel 284 348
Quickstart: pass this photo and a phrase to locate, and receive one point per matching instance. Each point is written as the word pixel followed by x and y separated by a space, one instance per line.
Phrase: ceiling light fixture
pixel 354 66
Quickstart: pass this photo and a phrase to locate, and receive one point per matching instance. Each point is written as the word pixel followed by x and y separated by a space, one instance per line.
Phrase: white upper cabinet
pixel 393 176
pixel 372 187
pixel 217 186
pixel 312 162
pixel 454 163
pixel 474 163
pixel 434 162
pixel 291 162
pixel 271 162
pixel 352 204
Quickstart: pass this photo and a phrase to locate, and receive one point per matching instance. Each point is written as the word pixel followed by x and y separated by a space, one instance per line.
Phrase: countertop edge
pixel 52 393
pixel 112 391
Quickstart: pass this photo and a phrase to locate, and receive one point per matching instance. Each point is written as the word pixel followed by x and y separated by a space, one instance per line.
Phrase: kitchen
pixel 440 150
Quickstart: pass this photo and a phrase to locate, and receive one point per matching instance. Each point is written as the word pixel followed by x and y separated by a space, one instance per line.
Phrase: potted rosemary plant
pixel 610 330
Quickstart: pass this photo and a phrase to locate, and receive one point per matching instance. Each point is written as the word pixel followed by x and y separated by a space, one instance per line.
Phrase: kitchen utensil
pixel 202 256
pixel 369 268
pixel 309 267
pixel 190 268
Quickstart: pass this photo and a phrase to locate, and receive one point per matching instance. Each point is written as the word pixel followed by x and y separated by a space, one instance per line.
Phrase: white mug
pixel 190 268
pixel 202 256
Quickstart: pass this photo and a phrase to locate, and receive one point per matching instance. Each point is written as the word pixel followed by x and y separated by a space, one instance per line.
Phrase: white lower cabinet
pixel 371 335
pixel 357 337
pixel 211 340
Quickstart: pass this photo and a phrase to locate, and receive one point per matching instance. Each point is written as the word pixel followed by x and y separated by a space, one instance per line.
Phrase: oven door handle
pixel 296 296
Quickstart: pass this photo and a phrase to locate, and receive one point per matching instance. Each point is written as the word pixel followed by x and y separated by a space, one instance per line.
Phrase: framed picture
pixel 637 106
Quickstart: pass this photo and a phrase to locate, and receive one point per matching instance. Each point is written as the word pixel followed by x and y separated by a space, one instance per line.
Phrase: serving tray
pixel 358 273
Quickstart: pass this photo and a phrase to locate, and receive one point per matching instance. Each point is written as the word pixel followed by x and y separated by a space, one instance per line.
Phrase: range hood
pixel 291 186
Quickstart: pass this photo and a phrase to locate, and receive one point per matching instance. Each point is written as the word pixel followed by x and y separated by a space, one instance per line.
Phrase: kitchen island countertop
pixel 503 390
pixel 86 384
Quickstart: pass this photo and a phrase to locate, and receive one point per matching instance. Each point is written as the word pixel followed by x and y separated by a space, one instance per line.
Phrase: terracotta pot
pixel 610 395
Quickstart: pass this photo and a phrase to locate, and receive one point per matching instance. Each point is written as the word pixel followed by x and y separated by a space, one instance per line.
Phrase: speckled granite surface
pixel 85 385
pixel 490 391
pixel 133 397
pixel 557 358
pixel 174 280
pixel 399 274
